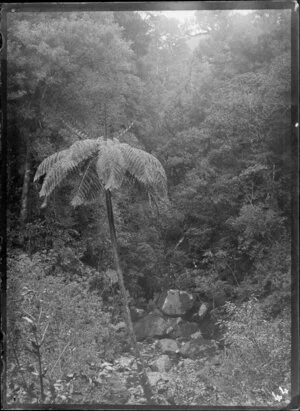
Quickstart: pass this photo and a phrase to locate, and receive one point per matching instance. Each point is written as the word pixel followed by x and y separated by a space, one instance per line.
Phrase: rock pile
pixel 177 316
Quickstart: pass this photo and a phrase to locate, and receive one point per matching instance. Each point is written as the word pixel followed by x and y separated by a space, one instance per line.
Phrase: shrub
pixel 257 358
pixel 55 328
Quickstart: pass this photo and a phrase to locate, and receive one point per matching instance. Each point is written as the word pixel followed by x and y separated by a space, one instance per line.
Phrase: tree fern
pixel 111 165
pixel 108 163
pixel 114 162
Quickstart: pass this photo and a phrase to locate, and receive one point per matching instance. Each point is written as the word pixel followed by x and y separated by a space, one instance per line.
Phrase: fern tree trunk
pixel 140 363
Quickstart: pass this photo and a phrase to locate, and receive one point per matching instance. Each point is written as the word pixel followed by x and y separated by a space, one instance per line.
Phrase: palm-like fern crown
pixel 108 163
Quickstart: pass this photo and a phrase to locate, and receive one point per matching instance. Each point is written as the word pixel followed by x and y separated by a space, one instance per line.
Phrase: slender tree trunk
pixel 25 189
pixel 105 121
pixel 41 375
pixel 140 363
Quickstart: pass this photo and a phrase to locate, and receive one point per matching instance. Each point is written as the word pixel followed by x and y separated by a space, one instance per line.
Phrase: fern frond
pixel 68 162
pixel 111 165
pixel 125 131
pixel 55 176
pixel 90 186
pixel 49 162
pixel 74 129
pixel 145 168
pixel 84 149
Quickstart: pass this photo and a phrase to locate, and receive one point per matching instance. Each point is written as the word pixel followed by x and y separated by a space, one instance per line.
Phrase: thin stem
pixel 39 356
pixel 59 357
pixel 44 333
pixel 140 363
pixel 233 274
pixel 105 121
pixel 40 314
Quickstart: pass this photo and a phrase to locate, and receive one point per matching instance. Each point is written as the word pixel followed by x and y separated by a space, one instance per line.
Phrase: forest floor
pixel 87 358
pixel 187 382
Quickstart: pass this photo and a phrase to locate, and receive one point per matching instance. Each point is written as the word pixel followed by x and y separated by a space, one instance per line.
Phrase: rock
pixel 152 325
pixel 184 329
pixel 196 335
pixel 202 310
pixel 198 348
pixel 177 302
pixel 155 376
pixel 168 346
pixel 174 325
pixel 159 298
pixel 162 364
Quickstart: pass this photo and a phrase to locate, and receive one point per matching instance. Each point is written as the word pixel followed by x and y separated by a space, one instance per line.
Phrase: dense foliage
pixel 217 116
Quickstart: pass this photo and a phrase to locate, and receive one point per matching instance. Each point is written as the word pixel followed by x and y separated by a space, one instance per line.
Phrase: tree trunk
pixel 25 190
pixel 140 363
pixel 105 121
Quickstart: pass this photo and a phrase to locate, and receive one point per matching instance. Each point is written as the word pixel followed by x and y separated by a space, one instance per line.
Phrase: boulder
pixel 152 325
pixel 162 364
pixel 198 348
pixel 168 346
pixel 184 330
pixel 203 309
pixel 159 298
pixel 177 303
pixel 174 325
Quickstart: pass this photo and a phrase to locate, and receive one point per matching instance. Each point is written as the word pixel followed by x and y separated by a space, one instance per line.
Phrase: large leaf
pixel 111 165
pixel 90 186
pixel 49 162
pixel 145 168
pixel 58 166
